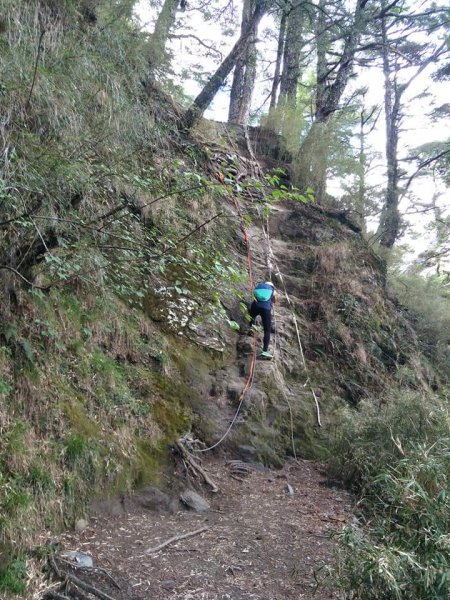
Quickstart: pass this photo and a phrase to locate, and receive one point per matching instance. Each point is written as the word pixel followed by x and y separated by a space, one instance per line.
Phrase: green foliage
pixel 13 576
pixel 233 325
pixel 5 389
pixel 428 302
pixel 74 135
pixel 437 153
pixel 77 448
pixel 396 456
pixel 40 479
pixel 280 191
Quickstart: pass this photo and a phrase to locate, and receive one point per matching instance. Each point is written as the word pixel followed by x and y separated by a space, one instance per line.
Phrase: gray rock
pixel 258 398
pixel 245 346
pixel 81 525
pixel 289 489
pixel 168 585
pixel 246 453
pixel 113 507
pixel 194 501
pixel 154 499
pixel 234 390
pixel 84 560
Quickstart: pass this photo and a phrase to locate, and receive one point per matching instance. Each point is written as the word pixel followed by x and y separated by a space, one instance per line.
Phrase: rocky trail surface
pixel 266 538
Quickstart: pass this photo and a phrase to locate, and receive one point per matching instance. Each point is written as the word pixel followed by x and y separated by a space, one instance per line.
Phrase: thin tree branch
pixel 211 49
pixel 13 219
pixel 184 238
pixel 36 64
pixel 423 165
pixel 30 283
pixel 89 228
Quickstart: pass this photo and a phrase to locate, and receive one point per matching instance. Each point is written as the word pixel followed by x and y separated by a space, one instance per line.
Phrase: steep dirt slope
pixel 337 337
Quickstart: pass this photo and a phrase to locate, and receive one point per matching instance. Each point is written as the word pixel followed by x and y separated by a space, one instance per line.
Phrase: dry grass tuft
pixel 332 259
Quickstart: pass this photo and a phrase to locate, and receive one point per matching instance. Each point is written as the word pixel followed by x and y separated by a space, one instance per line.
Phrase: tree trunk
pixel 389 226
pixel 331 93
pixel 361 195
pixel 321 64
pixel 158 39
pixel 244 73
pixel 280 52
pixel 330 87
pixel 204 99
pixel 290 75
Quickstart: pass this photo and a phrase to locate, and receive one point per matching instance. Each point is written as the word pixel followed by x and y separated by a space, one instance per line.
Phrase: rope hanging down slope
pixel 270 260
pixel 249 381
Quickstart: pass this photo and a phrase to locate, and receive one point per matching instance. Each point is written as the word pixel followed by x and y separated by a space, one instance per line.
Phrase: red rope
pixel 251 282
pixel 247 242
pixel 253 357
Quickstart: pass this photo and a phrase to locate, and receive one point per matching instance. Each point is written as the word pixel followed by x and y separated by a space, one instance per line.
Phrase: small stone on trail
pixel 84 560
pixel 246 453
pixel 194 501
pixel 81 525
pixel 168 585
pixel 289 490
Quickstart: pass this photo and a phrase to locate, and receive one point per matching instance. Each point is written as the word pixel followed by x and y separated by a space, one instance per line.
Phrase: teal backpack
pixel 263 294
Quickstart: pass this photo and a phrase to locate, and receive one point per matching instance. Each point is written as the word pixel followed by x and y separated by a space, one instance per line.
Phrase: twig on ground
pixel 176 538
pixel 36 64
pixel 55 596
pixel 87 587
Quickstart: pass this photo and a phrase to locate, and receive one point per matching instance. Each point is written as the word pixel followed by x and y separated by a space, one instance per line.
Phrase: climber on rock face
pixel 264 297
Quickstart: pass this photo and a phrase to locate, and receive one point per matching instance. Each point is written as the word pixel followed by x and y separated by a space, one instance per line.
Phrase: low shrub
pixel 397 457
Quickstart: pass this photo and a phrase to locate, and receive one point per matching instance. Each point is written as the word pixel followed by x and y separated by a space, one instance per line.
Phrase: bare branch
pixel 211 49
pixel 36 64
pixel 425 164
pixel 176 538
pixel 30 283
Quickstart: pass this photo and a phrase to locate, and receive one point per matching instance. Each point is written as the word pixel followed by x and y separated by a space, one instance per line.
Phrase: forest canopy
pixel 352 86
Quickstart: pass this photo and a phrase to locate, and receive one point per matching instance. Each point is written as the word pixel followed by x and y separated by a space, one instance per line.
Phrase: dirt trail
pixel 262 542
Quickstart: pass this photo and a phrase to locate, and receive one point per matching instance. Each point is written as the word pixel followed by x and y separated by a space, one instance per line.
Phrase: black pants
pixel 266 318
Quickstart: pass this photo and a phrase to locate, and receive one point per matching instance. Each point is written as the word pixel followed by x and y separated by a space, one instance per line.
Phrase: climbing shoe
pixel 266 355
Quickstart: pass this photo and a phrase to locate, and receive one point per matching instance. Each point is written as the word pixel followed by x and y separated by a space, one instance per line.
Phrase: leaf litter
pixel 266 537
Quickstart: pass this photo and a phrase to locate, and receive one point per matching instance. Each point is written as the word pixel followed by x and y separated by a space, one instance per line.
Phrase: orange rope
pixel 253 358
pixel 247 242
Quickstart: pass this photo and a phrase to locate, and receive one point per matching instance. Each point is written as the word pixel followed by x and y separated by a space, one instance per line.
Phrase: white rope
pixel 291 414
pixel 230 426
pixel 270 259
pixel 302 354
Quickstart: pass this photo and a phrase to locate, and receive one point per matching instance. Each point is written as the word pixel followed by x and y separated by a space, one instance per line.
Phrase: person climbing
pixel 264 297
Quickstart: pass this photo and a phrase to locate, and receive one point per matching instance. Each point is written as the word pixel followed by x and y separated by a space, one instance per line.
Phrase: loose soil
pixel 263 542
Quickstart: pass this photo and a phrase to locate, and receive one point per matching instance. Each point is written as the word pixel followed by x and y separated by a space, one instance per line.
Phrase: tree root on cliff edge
pixel 189 461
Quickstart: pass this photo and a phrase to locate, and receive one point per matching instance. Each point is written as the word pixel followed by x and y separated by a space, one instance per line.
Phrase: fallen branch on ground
pixel 195 466
pixel 176 538
pixel 92 569
pixel 76 581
